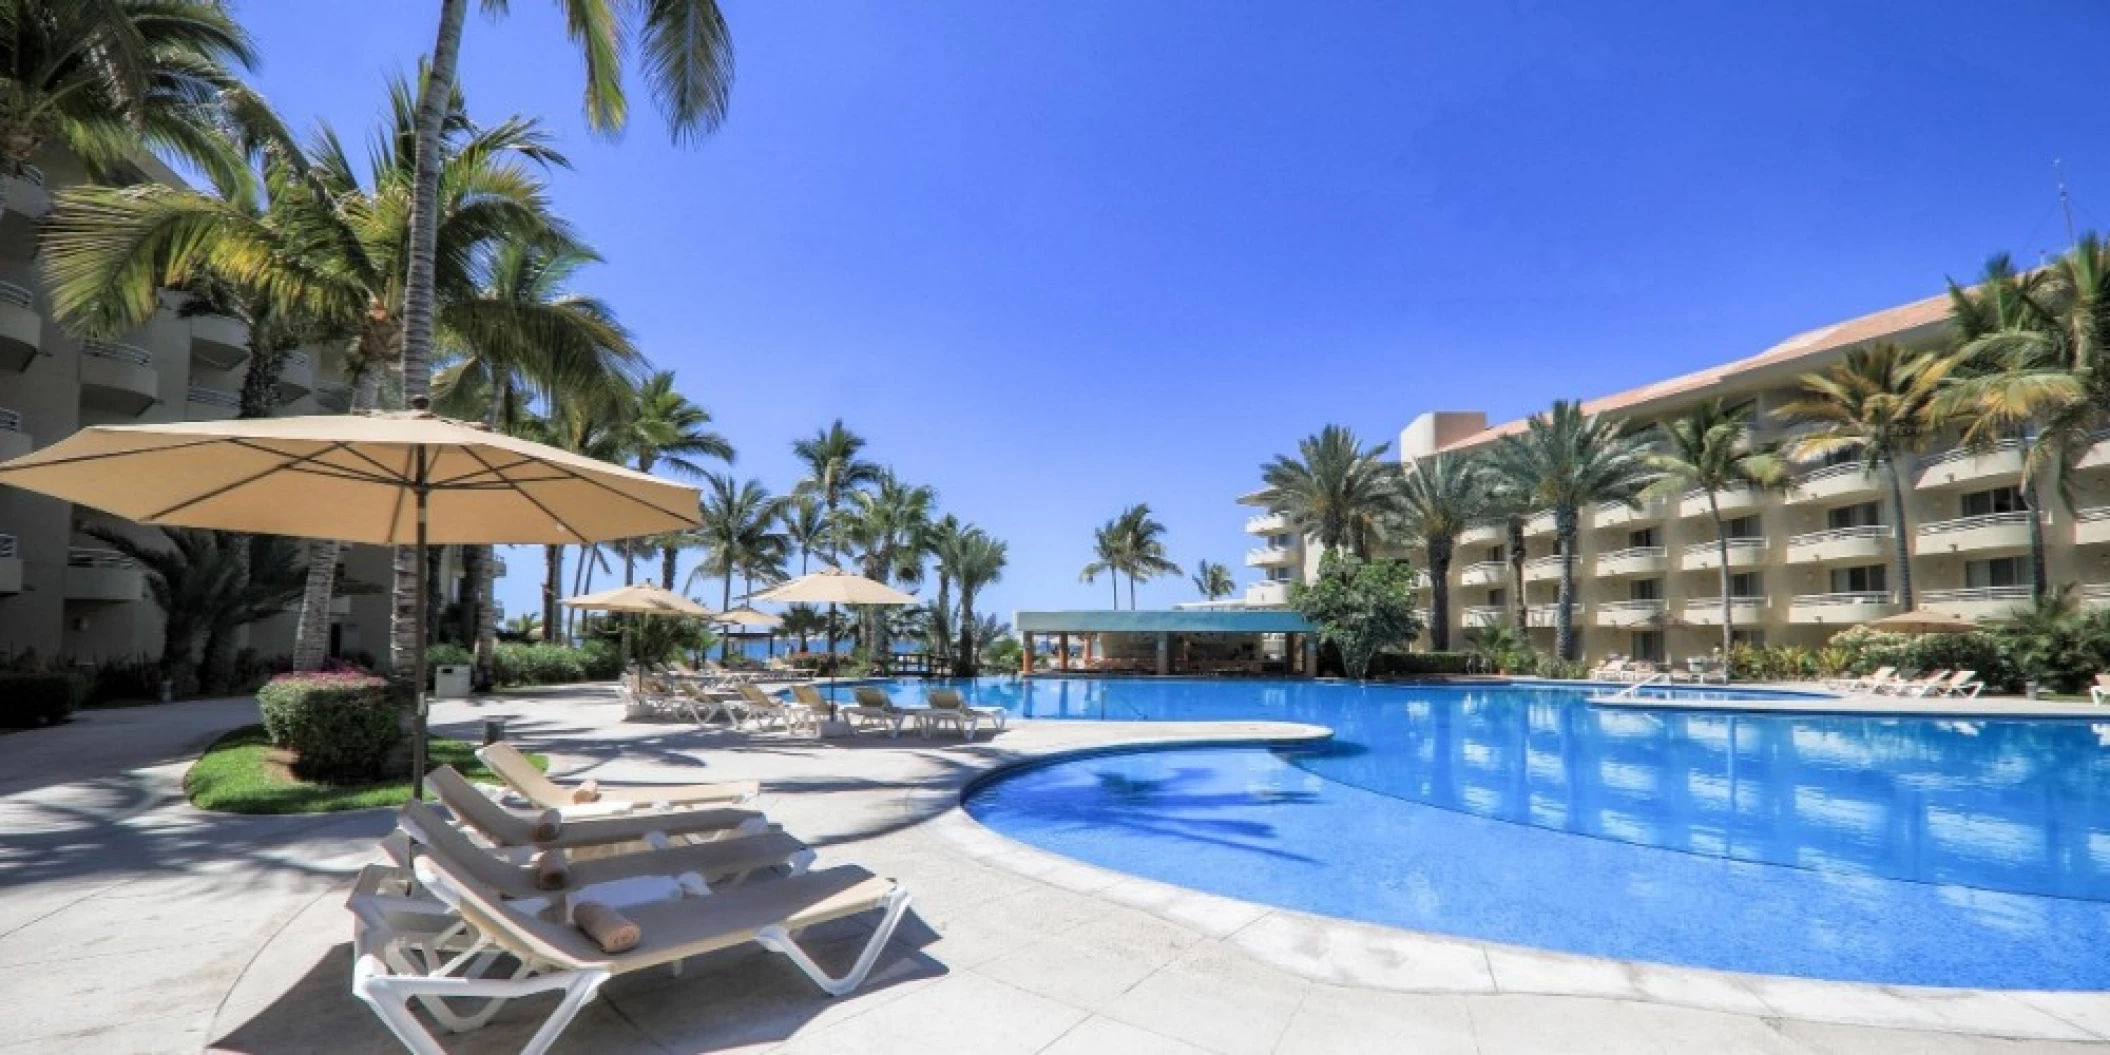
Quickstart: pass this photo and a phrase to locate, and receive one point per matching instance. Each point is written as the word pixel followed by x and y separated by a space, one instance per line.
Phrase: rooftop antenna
pixel 2065 201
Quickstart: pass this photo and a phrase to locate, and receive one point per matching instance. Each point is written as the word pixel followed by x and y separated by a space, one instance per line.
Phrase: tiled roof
pixel 1808 345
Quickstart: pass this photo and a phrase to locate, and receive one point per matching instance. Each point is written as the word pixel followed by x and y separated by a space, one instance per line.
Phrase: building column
pixel 1025 656
pixel 1164 653
pixel 1065 651
pixel 1311 656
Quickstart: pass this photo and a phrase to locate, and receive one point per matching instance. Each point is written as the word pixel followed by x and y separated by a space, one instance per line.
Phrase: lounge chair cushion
pixel 506 828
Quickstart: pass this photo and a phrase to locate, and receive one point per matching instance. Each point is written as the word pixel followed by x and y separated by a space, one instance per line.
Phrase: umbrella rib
pixel 536 502
pixel 569 473
pixel 105 455
pixel 489 469
pixel 395 515
pixel 244 482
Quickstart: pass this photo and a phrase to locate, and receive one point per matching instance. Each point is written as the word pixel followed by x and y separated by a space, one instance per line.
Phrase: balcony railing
pixel 1976 593
pixel 1652 604
pixel 20 296
pixel 1831 472
pixel 2092 514
pixel 1485 567
pixel 1631 553
pixel 1705 603
pixel 10 420
pixel 7 546
pixel 123 353
pixel 1265 523
pixel 1841 534
pixel 1816 600
pixel 214 397
pixel 86 557
pixel 1943 527
pixel 1709 549
pixel 2096 593
pixel 1961 453
pixel 1542 564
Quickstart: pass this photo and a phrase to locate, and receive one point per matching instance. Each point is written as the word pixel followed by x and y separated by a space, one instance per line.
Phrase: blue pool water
pixel 1908 851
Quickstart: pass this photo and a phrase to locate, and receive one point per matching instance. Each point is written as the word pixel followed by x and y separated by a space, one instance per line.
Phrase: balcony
pixel 102 575
pixel 119 378
pixel 205 403
pixel 1835 483
pixel 1999 463
pixel 1541 524
pixel 1979 534
pixel 1267 595
pixel 2098 453
pixel 21 327
pixel 1544 569
pixel 1732 503
pixel 1870 542
pixel 1978 602
pixel 23 206
pixel 1634 560
pixel 14 442
pixel 2091 527
pixel 1270 557
pixel 1485 615
pixel 1484 573
pixel 1631 613
pixel 10 566
pixel 1619 514
pixel 1707 556
pixel 332 396
pixel 340 605
pixel 218 341
pixel 1267 524
pixel 1707 611
pixel 2095 595
pixel 1542 615
pixel 1482 535
pixel 1839 609
pixel 296 376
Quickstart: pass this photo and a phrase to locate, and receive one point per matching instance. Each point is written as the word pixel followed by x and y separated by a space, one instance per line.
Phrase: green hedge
pixel 339 727
pixel 523 664
pixel 30 700
pixel 1420 664
pixel 1863 650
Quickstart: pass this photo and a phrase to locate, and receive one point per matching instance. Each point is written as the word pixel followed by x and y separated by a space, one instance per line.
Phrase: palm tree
pixel 944 541
pixel 1710 450
pixel 1438 499
pixel 802 621
pixel 1564 460
pixel 687 56
pixel 202 591
pixel 665 431
pixel 1509 508
pixel 1335 489
pixel 1109 556
pixel 103 79
pixel 580 428
pixel 526 626
pixel 1883 404
pixel 806 524
pixel 738 529
pixel 978 562
pixel 834 470
pixel 1142 548
pixel 889 526
pixel 1213 580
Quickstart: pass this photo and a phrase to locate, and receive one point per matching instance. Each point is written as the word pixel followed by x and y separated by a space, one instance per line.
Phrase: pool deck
pixel 136 923
pixel 1986 707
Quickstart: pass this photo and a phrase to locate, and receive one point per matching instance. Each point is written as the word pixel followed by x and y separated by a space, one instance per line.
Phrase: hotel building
pixel 1805 562
pixel 63 593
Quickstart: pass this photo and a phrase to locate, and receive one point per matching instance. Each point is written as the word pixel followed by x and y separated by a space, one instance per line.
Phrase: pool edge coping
pixel 1354 953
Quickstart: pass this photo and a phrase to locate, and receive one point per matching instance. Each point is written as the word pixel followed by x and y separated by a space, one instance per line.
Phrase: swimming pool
pixel 1896 850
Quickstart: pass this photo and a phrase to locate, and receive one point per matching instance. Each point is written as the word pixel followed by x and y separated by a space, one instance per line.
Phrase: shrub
pixel 823 663
pixel 525 664
pixel 1980 651
pixel 133 678
pixel 1422 664
pixel 339 727
pixel 447 654
pixel 30 700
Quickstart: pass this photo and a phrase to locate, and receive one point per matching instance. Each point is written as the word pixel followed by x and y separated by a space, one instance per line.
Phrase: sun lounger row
pixel 744 703
pixel 1641 670
pixel 1886 681
pixel 485 904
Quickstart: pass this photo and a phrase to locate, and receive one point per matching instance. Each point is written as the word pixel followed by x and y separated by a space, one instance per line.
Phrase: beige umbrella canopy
pixel 744 616
pixel 1921 621
pixel 387 478
pixel 642 599
pixel 834 586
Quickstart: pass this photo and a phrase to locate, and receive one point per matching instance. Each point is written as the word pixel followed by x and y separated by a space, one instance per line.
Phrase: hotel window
pixel 1648 645
pixel 1644 538
pixel 1869 578
pixel 1747 584
pixel 2000 571
pixel 1278 575
pixel 1495 598
pixel 1987 503
pixel 1645 590
pixel 1494 554
pixel 1838 457
pixel 1278 541
pixel 1753 638
pixel 1744 527
pixel 1866 514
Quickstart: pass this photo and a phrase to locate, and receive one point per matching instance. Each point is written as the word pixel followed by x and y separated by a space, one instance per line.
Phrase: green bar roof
pixel 1178 621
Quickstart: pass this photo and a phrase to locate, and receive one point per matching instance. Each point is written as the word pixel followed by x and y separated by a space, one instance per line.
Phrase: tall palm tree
pixel 103 79
pixel 666 431
pixel 581 428
pixel 686 52
pixel 801 621
pixel 806 524
pixel 1564 460
pixel 1142 548
pixel 1109 556
pixel 1438 499
pixel 1710 450
pixel 1335 489
pixel 738 529
pixel 944 539
pixel 835 469
pixel 1509 508
pixel 978 562
pixel 1213 580
pixel 889 526
pixel 1884 404
pixel 201 592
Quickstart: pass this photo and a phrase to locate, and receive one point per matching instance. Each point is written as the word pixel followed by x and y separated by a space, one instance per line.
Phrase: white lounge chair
pixel 1610 670
pixel 948 707
pixel 504 827
pixel 1963 684
pixel 1867 682
pixel 532 785
pixel 2100 691
pixel 765 708
pixel 1918 686
pixel 874 707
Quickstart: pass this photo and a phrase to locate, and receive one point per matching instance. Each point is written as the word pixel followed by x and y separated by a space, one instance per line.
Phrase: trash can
pixel 450 681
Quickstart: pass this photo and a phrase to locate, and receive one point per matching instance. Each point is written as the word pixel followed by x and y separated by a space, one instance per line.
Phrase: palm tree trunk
pixel 1116 577
pixel 943 612
pixel 629 564
pixel 1900 535
pixel 1564 612
pixel 964 664
pixel 311 636
pixel 667 555
pixel 1520 612
pixel 1721 550
pixel 1131 591
pixel 2028 488
pixel 552 583
pixel 418 295
pixel 1440 594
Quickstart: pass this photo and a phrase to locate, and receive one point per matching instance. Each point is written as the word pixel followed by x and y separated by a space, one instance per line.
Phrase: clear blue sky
pixel 1057 257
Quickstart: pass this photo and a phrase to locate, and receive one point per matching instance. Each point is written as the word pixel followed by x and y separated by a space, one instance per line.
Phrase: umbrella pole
pixel 417 662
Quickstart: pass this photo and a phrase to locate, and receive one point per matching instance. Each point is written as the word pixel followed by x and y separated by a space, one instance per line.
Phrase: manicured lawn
pixel 242 773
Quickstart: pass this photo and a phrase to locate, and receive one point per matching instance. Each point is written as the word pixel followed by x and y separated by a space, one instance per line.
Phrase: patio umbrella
pixel 833 586
pixel 1921 621
pixel 641 599
pixel 749 617
pixel 382 478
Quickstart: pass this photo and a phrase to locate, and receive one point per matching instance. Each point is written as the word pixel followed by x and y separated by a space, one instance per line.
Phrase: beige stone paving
pixel 1009 950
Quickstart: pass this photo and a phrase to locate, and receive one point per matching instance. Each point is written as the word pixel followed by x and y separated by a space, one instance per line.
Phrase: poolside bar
pixel 1177 641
